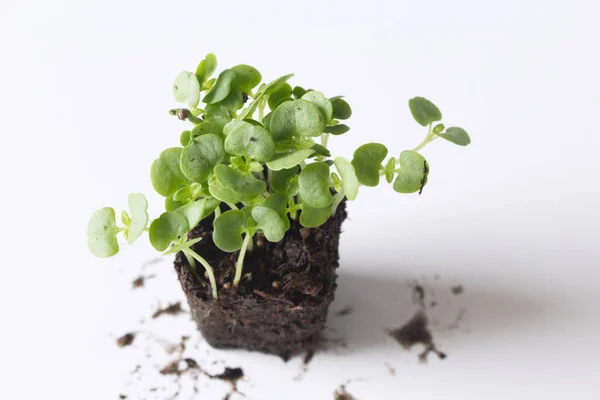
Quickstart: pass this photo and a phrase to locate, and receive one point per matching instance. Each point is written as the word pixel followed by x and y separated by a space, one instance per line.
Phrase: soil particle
pixel 415 331
pixel 122 396
pixel 344 311
pixel 342 394
pixel 140 281
pixel 458 289
pixel 171 309
pixel 126 339
pixel 390 369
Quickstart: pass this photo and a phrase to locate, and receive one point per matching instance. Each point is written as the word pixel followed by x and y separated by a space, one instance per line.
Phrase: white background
pixel 85 87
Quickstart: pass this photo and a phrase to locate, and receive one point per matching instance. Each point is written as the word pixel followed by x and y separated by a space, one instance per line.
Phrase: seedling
pixel 260 151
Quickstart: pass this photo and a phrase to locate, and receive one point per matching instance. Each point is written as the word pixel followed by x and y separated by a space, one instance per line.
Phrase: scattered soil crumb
pixel 458 289
pixel 419 295
pixel 231 375
pixel 171 309
pixel 140 281
pixel 433 304
pixel 122 396
pixel 415 331
pixel 342 394
pixel 152 262
pixel 344 311
pixel 391 369
pixel 126 339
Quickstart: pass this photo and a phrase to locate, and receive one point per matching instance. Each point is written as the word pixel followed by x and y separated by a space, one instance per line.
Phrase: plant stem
pixel 261 110
pixel 209 270
pixel 429 138
pixel 232 206
pixel 337 199
pixel 324 139
pixel 240 261
pixel 217 211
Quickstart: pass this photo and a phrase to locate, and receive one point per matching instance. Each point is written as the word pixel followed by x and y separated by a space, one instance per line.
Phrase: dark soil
pixel 171 309
pixel 344 311
pixel 140 281
pixel 342 394
pixel 281 304
pixel 415 331
pixel 458 289
pixel 126 340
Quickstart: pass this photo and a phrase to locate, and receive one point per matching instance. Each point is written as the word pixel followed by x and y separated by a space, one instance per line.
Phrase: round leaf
pixel 251 141
pixel 298 92
pixel 138 206
pixel 324 104
pixel 200 157
pixel 193 212
pixel 184 139
pixel 438 128
pixel 166 174
pixel 314 185
pixel 273 86
pixel 206 68
pixel 186 89
pixel 172 205
pixel 367 162
pixel 282 94
pixel 270 222
pixel 102 233
pixel 282 179
pixel 221 88
pixel 312 217
pixel 297 118
pixel 279 203
pixel 424 111
pixel 321 150
pixel 289 160
pixel 457 136
pixel 246 77
pixel 228 229
pixel 243 184
pixel 413 172
pixel 349 179
pixel 222 193
pixel 337 129
pixel 217 114
pixel 341 109
pixel 166 229
pixel 206 127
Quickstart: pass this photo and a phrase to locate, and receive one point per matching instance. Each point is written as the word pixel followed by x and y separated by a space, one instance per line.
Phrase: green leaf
pixel 321 150
pixel 341 109
pixel 270 222
pixel 193 212
pixel 297 118
pixel 337 129
pixel 367 162
pixel 186 89
pixel 242 184
pixel 125 219
pixel 179 247
pixel 228 229
pixel 233 102
pixel 279 203
pixel 319 100
pixel 166 174
pixel 217 114
pixel 273 86
pixel 184 139
pixel 200 157
pixel 314 185
pixel 138 206
pixel 438 128
pixel 102 233
pixel 349 179
pixel 206 68
pixel 220 192
pixel 424 111
pixel 282 179
pixel 457 136
pixel 312 217
pixel 283 93
pixel 298 92
pixel 390 167
pixel 251 141
pixel 289 160
pixel 413 172
pixel 166 229
pixel 221 88
pixel 267 120
pixel 172 205
pixel 246 77
pixel 206 127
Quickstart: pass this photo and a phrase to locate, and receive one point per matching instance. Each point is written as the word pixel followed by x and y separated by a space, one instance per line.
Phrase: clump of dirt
pixel 415 331
pixel 126 340
pixel 342 394
pixel 140 281
pixel 171 309
pixel 344 311
pixel 458 289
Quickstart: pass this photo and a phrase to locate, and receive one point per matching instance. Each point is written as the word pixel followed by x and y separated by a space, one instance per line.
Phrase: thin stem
pixel 261 110
pixel 337 199
pixel 430 137
pixel 209 270
pixel 217 211
pixel 232 206
pixel 240 261
pixel 324 139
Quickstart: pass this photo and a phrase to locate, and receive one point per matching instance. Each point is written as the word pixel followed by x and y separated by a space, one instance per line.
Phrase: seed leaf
pixel 138 206
pixel 279 203
pixel 314 185
pixel 457 136
pixel 389 169
pixel 166 229
pixel 201 155
pixel 424 111
pixel 221 88
pixel 206 68
pixel 282 179
pixel 206 127
pixel 367 162
pixel 289 160
pixel 193 212
pixel 246 77
pixel 228 229
pixel 297 118
pixel 186 89
pixel 298 92
pixel 270 222
pixel 102 233
pixel 321 150
pixel 283 93
pixel 240 183
pixel 413 172
pixel 324 104
pixel 184 138
pixel 312 217
pixel 339 129
pixel 251 141
pixel 341 109
pixel 349 179
pixel 222 193
pixel 166 174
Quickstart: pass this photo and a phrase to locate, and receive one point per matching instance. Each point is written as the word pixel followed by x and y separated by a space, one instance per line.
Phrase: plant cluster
pixel 261 150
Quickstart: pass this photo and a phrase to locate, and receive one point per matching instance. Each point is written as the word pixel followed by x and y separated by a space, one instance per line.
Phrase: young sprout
pixel 259 152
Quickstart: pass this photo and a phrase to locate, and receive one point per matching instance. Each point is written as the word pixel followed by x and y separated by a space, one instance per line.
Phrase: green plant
pixel 266 170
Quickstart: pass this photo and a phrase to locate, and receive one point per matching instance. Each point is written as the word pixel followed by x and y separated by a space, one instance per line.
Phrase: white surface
pixel 84 90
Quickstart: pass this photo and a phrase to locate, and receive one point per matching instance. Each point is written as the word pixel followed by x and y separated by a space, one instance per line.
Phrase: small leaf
pixel 282 94
pixel 222 193
pixel 102 233
pixel 186 89
pixel 321 150
pixel 125 219
pixel 246 77
pixel 298 92
pixel 457 136
pixel 266 121
pixel 221 88
pixel 206 127
pixel 172 205
pixel 282 179
pixel 243 184
pixel 337 129
pixel 314 185
pixel 166 229
pixel 413 172
pixel 228 229
pixel 184 139
pixel 217 114
pixel 270 222
pixel 324 104
pixel 297 118
pixel 251 141
pixel 206 68
pixel 193 212
pixel 273 86
pixel 201 155
pixel 438 128
pixel 349 179
pixel 424 111
pixel 312 217
pixel 341 109
pixel 289 160
pixel 138 206
pixel 166 174
pixel 233 102
pixel 279 203
pixel 389 169
pixel 367 162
